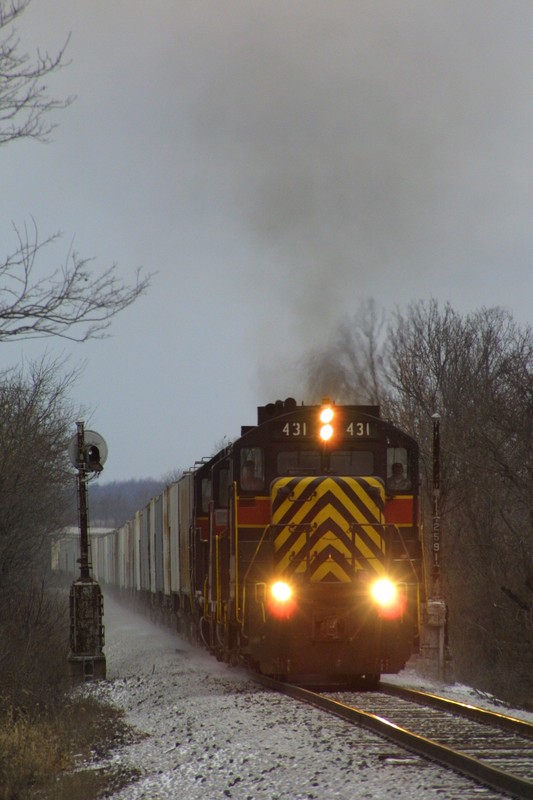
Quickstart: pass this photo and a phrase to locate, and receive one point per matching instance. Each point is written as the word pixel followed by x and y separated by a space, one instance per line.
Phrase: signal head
pixel 93 459
pixel 94 452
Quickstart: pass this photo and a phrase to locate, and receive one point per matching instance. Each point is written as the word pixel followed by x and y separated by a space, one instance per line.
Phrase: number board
pixel 308 429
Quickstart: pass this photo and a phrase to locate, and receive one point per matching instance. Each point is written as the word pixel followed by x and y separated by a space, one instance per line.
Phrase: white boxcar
pixel 137 551
pixel 166 542
pixel 185 515
pixel 173 523
pixel 144 549
pixel 156 507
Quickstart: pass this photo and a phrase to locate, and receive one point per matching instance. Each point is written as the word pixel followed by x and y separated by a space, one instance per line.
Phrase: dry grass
pixel 55 756
pixel 51 743
pixel 29 751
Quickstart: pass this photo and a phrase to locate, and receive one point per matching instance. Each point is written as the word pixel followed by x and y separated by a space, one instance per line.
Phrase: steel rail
pixel 485 716
pixel 480 771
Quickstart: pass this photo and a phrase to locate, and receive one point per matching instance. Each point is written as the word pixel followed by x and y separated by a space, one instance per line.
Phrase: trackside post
pixel 86 659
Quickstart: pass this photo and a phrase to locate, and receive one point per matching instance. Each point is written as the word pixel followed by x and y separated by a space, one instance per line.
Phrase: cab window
pixel 207 490
pixel 298 462
pixel 252 469
pixel 398 477
pixel 224 482
pixel 352 462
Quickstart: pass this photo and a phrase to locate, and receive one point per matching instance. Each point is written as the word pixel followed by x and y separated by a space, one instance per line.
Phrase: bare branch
pixel 72 302
pixel 24 101
pixel 35 425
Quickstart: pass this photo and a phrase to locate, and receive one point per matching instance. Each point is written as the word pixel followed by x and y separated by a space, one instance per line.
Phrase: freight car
pixel 295 551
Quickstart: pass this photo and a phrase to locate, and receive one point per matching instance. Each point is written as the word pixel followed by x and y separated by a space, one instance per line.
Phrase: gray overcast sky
pixel 274 162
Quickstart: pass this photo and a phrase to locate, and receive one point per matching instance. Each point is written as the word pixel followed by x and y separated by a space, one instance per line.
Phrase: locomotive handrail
pixel 293 526
pixel 256 551
pixel 247 573
pixel 235 526
pixel 293 499
pixel 388 526
pixel 406 551
pixel 251 564
pixel 219 617
pixel 207 614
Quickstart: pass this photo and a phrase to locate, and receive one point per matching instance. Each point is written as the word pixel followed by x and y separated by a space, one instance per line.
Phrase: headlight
pixel 384 592
pixel 281 592
pixel 391 600
pixel 280 603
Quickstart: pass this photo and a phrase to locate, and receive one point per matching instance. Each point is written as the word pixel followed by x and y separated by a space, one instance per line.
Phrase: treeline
pixel 476 371
pixel 112 504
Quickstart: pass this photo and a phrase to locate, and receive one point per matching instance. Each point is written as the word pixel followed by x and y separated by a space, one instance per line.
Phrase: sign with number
pixel 308 429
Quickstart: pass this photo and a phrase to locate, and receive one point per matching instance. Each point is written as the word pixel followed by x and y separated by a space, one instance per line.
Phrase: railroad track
pixel 493 749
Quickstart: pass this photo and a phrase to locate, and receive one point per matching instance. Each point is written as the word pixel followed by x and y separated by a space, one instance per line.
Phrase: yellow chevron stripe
pixel 294 511
pixel 297 508
pixel 296 494
pixel 285 533
pixel 296 547
pixel 331 567
pixel 321 545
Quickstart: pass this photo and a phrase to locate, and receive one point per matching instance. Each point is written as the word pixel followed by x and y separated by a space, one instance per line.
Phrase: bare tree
pixel 35 426
pixel 71 301
pixel 476 370
pixel 35 478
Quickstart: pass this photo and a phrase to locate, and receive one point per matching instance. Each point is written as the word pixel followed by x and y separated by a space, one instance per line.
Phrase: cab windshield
pixel 341 462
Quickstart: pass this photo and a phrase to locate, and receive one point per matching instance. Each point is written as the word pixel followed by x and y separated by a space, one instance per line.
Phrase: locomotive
pixel 295 551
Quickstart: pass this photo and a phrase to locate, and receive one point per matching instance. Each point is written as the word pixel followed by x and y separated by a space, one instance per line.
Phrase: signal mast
pixel 86 660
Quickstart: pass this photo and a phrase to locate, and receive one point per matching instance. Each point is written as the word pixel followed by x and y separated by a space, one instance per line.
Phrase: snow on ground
pixel 211 733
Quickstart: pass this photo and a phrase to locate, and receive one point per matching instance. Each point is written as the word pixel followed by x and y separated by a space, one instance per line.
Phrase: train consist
pixel 295 551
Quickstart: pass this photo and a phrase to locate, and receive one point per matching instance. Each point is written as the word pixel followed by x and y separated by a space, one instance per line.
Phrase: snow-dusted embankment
pixel 212 733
